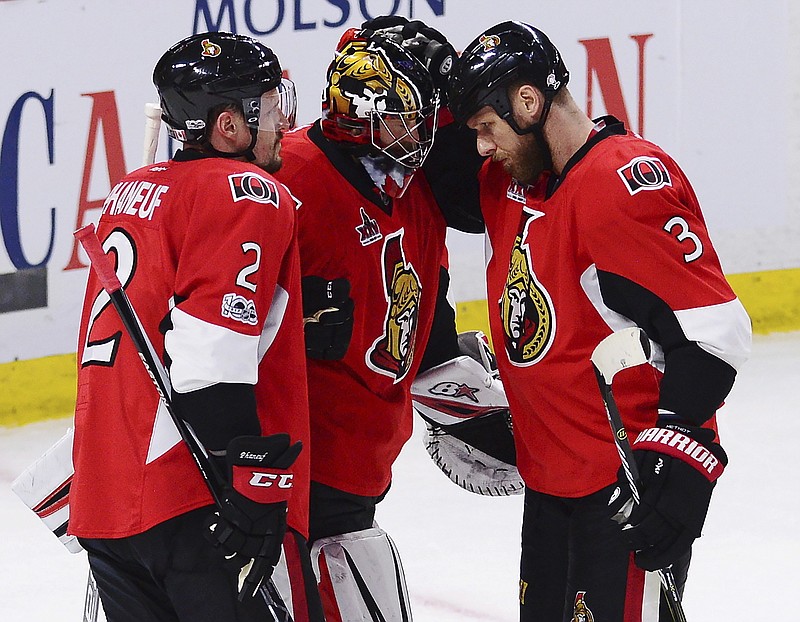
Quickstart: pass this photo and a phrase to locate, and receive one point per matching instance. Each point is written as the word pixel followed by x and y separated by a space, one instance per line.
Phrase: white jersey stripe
pixel 204 354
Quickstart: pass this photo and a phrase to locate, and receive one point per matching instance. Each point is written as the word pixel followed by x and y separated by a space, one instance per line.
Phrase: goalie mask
pixel 200 75
pixel 381 101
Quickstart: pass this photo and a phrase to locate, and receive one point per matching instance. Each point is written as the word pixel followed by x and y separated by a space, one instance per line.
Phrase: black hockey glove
pixel 426 44
pixel 251 523
pixel 384 21
pixel 678 466
pixel 327 317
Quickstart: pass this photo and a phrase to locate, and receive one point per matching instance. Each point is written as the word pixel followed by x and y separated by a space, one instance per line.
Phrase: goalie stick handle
pixel 104 268
pixel 621 350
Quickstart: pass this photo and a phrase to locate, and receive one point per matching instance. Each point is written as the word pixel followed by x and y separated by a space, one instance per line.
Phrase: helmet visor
pixel 275 110
pixel 406 137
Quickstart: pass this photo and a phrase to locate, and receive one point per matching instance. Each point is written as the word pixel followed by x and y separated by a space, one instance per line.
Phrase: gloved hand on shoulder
pixel 426 44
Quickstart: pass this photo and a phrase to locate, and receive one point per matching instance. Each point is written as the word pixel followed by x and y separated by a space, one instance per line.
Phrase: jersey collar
pixel 604 127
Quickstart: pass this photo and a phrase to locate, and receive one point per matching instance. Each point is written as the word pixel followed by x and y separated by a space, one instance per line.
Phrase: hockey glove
pixel 327 317
pixel 384 21
pixel 251 523
pixel 426 44
pixel 678 467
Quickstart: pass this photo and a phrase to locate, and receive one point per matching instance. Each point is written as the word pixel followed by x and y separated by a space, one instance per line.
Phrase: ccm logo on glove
pixel 678 445
pixel 271 486
pixel 267 479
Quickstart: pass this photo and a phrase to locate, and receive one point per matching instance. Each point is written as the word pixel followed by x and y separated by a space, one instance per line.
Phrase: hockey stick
pixel 152 125
pixel 91 605
pixel 620 350
pixel 104 268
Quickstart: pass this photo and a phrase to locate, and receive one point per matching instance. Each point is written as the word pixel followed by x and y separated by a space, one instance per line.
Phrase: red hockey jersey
pixel 620 241
pixel 206 249
pixel 360 406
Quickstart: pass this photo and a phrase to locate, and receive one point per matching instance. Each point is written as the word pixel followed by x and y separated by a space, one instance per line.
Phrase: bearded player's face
pixel 520 155
pixel 271 127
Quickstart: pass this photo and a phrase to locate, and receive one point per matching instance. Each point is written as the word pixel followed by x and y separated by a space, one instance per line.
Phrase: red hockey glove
pixel 678 466
pixel 327 317
pixel 251 523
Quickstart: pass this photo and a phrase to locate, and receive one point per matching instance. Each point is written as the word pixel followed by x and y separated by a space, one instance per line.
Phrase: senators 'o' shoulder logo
pixel 253 187
pixel 644 173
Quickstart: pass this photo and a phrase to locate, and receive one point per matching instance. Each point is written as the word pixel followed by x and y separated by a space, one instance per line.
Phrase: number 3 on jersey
pixel 683 233
pixel 102 351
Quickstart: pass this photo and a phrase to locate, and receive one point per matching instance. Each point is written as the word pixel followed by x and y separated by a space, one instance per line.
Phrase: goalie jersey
pixel 207 253
pixel 391 254
pixel 618 240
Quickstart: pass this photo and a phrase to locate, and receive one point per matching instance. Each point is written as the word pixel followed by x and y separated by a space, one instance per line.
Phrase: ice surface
pixel 460 550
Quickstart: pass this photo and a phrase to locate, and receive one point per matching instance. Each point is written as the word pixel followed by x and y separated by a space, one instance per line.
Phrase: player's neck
pixel 567 129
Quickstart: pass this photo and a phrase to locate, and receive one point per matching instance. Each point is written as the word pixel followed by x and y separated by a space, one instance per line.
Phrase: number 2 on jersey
pixel 103 351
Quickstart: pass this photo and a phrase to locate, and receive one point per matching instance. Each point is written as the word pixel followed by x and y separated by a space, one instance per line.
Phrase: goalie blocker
pixel 468 424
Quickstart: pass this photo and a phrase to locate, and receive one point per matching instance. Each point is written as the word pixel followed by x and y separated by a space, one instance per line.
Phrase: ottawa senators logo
pixel 644 173
pixel 254 187
pixel 210 49
pixel 393 352
pixel 529 323
pixel 489 43
pixel 581 613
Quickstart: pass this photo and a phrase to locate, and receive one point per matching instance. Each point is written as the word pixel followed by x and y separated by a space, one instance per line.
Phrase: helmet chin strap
pixel 537 129
pixel 248 153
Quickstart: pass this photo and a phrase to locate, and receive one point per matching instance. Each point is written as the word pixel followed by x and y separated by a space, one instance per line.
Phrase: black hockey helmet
pixel 374 83
pixel 207 70
pixel 504 53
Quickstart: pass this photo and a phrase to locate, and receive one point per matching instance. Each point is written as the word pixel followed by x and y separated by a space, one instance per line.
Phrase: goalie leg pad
pixel 44 488
pixel 361 577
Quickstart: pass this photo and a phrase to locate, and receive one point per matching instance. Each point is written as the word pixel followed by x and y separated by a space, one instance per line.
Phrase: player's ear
pixel 527 100
pixel 226 123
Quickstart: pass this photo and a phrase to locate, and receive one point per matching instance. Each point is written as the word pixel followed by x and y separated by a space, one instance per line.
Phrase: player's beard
pixel 526 162
pixel 274 162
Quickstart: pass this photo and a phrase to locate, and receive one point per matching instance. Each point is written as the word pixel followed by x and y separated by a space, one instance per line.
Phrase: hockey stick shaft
pixel 152 125
pixel 621 350
pixel 91 605
pixel 104 268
